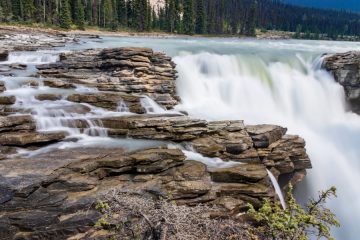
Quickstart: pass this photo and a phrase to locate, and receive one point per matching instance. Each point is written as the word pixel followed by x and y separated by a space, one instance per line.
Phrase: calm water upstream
pixel 263 81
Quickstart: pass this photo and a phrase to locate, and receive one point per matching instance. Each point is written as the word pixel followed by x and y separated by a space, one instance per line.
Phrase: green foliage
pixel 188 17
pixel 295 222
pixel 102 223
pixel 101 205
pixel 80 15
pixel 200 17
pixel 65 16
pixel 185 16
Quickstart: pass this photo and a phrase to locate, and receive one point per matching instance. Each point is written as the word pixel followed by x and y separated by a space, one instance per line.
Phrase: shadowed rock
pixel 345 68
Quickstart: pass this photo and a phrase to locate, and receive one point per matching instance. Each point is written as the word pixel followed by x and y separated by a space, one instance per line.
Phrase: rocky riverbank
pixel 107 122
pixel 345 68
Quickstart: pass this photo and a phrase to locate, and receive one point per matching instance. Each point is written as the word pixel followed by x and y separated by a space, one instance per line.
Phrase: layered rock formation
pixel 51 193
pixel 124 70
pixel 346 69
pixel 26 39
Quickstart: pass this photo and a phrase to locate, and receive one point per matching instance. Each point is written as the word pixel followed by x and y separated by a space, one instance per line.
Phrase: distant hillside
pixel 352 5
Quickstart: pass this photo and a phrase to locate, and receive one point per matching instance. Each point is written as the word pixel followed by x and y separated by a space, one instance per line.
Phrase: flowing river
pixel 259 81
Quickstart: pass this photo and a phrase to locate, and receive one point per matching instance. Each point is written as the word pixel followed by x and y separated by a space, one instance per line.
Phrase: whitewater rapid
pixel 296 94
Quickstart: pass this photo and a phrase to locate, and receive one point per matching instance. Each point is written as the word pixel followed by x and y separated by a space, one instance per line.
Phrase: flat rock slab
pixel 30 138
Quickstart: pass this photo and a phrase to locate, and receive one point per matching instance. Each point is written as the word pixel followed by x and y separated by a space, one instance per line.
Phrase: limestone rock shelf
pixel 138 71
pixel 54 192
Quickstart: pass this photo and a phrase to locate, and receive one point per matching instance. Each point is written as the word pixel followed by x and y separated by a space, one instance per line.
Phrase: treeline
pixel 183 16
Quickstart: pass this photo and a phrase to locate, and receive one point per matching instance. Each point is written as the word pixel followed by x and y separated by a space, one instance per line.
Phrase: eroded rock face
pixel 346 69
pixel 54 193
pixel 138 71
pixel 46 199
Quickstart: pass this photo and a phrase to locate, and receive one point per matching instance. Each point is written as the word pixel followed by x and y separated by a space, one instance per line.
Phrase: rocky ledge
pixel 138 71
pixel 27 39
pixel 47 192
pixel 346 69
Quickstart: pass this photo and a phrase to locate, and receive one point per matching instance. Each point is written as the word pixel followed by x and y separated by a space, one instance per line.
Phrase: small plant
pixel 102 223
pixel 295 222
pixel 101 205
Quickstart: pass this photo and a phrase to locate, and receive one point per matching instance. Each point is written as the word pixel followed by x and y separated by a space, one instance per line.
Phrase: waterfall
pixel 151 106
pixel 293 93
pixel 277 189
pixel 40 57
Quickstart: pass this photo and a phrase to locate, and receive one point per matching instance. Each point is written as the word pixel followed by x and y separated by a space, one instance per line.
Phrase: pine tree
pixel 28 9
pixel 148 16
pixel 177 16
pixel 65 16
pixel 188 18
pixel 80 14
pixel 17 10
pixel 200 17
pixel 250 25
pixel 154 20
pixel 121 13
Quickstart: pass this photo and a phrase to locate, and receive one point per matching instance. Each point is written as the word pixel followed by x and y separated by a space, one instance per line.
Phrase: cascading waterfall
pixel 295 93
pixel 41 57
pixel 277 188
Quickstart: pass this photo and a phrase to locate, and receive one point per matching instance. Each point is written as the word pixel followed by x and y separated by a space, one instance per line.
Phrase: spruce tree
pixel 65 16
pixel 200 17
pixel 188 17
pixel 80 14
pixel 17 10
pixel 250 25
pixel 121 13
pixel 177 16
pixel 28 9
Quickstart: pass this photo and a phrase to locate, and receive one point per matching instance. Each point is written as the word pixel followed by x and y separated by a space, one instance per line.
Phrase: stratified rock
pixel 240 173
pixel 345 68
pixel 16 123
pixel 18 66
pixel 264 135
pixel 30 138
pixel 127 70
pixel 111 101
pixel 58 83
pixel 7 100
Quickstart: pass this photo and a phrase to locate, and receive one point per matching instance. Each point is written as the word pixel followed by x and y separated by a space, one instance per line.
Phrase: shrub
pixel 295 222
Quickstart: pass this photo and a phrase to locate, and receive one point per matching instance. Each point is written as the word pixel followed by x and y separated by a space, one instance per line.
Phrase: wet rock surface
pixel 51 192
pixel 346 70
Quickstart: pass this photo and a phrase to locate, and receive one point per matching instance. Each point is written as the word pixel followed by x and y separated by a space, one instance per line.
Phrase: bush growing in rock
pixel 295 222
